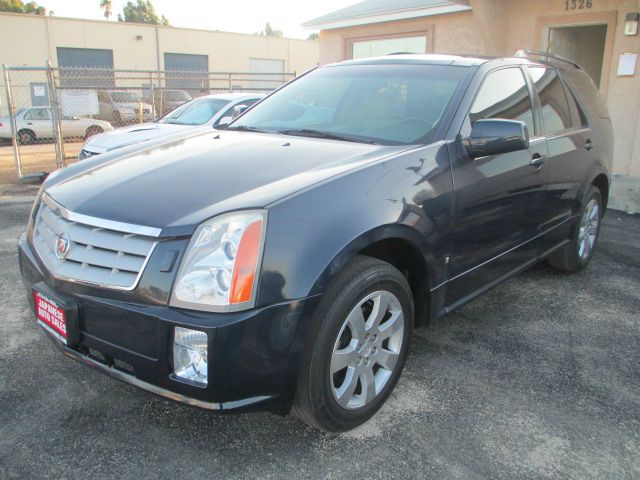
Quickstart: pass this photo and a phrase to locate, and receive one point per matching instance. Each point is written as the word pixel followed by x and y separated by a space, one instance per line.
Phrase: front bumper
pixel 253 355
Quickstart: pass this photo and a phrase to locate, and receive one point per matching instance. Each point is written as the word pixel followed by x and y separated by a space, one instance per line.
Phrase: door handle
pixel 29 123
pixel 588 144
pixel 537 160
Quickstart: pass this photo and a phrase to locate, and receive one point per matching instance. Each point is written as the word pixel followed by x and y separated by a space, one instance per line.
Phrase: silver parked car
pixel 200 113
pixel 167 100
pixel 34 124
pixel 122 107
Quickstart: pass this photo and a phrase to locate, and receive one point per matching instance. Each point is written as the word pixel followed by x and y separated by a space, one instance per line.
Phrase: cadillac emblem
pixel 62 246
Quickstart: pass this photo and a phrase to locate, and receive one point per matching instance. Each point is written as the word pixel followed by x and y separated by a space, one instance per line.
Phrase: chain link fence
pixel 50 112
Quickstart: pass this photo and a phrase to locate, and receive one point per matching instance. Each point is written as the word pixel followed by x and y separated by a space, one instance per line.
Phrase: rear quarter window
pixel 578 117
pixel 586 93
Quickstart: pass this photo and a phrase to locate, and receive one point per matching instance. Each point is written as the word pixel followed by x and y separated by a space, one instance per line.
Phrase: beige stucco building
pixel 591 32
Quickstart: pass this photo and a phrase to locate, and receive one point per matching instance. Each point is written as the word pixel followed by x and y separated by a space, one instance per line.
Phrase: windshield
pixel 177 96
pixel 124 97
pixel 196 112
pixel 395 104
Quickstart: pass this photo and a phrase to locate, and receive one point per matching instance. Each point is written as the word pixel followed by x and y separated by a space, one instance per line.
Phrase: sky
pixel 244 16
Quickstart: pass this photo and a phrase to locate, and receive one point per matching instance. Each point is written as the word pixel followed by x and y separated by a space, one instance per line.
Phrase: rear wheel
pixel 360 339
pixel 93 130
pixel 577 254
pixel 26 137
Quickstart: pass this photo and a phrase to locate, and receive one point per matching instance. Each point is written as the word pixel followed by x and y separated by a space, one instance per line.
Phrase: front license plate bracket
pixel 70 309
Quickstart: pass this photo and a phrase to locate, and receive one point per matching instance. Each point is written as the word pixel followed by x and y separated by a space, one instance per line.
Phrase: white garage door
pixel 259 66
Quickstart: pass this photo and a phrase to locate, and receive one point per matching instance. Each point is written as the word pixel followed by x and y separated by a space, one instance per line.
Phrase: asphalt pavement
pixel 539 378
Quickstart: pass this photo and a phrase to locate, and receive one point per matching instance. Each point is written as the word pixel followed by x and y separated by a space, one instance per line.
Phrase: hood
pixel 177 185
pixel 122 137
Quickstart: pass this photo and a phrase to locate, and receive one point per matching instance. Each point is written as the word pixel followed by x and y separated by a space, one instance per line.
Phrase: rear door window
pixel 504 95
pixel 554 113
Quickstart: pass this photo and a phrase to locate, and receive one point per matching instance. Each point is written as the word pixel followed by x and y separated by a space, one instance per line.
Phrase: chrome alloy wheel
pixel 367 350
pixel 588 229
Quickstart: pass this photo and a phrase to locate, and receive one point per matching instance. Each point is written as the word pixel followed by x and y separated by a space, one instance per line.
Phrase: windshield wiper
pixel 309 132
pixel 244 128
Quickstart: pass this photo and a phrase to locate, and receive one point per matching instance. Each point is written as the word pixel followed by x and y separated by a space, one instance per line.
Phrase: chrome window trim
pixel 101 222
pixel 566 132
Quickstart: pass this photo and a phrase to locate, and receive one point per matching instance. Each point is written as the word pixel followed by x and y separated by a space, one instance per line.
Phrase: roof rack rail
pixel 548 56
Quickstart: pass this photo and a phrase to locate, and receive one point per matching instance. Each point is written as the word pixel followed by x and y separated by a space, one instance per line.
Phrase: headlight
pixel 220 268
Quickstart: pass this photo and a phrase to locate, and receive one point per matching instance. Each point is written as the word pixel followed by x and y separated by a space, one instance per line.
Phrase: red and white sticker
pixel 51 316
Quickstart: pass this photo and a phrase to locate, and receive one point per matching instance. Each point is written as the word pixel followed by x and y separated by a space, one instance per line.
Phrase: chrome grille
pixel 99 252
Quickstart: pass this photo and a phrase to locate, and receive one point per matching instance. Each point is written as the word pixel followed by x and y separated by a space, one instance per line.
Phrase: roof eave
pixel 384 17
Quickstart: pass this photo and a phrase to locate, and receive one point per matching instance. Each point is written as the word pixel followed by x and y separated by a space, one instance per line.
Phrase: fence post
pixel 56 119
pixel 154 113
pixel 12 121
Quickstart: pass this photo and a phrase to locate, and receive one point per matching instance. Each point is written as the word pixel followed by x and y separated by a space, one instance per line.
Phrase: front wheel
pixel 358 346
pixel 577 254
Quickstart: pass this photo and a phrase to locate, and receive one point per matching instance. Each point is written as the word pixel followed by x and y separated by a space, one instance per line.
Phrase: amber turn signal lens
pixel 244 271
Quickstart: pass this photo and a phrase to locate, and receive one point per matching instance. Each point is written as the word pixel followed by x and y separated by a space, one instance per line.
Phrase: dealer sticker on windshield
pixel 51 316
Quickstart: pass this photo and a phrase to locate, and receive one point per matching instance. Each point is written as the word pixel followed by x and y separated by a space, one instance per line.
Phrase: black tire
pixel 26 137
pixel 569 257
pixel 314 402
pixel 93 130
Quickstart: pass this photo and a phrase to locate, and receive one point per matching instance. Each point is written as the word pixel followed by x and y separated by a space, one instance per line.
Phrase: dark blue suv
pixel 282 262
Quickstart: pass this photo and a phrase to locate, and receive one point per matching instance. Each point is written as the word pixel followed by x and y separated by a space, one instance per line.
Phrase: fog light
pixel 190 355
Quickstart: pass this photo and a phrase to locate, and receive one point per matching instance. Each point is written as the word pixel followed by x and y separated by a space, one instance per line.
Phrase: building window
pixel 384 46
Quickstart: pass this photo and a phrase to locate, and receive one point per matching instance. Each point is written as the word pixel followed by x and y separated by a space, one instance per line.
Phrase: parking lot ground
pixel 539 378
pixel 34 158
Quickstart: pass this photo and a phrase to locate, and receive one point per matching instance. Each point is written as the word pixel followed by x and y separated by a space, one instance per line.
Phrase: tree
pixel 32 7
pixel 141 11
pixel 18 6
pixel 313 36
pixel 270 32
pixel 106 6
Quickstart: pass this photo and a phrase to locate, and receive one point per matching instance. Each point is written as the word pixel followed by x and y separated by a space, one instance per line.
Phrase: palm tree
pixel 106 5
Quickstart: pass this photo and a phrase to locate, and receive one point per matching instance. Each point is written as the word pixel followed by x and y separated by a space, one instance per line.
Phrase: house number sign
pixel 578 4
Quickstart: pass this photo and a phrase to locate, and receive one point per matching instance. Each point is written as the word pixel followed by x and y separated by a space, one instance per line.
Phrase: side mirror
pixel 238 110
pixel 224 121
pixel 494 136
